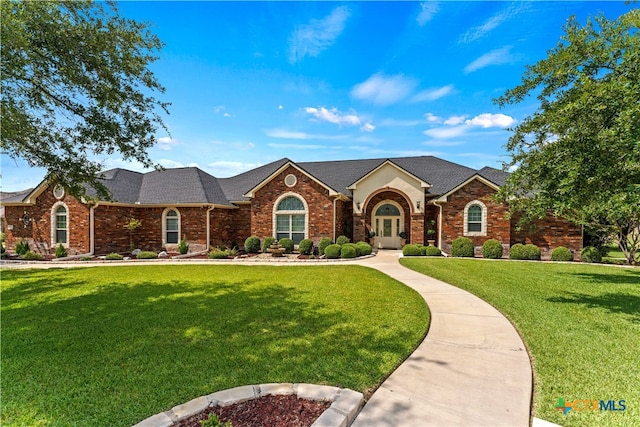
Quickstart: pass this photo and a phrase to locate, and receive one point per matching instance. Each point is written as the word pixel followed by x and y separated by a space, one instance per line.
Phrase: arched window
pixel 290 219
pixel 62 225
pixel 171 226
pixel 475 219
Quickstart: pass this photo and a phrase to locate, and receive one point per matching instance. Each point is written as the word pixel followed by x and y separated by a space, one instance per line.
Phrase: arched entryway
pixel 387 220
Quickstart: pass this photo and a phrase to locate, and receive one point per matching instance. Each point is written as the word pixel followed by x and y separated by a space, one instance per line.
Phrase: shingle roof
pixel 15 196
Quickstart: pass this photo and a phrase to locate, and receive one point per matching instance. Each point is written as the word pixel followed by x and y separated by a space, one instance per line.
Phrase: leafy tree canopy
pixel 579 153
pixel 75 83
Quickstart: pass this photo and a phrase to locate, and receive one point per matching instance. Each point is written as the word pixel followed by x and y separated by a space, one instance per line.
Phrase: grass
pixel 581 324
pixel 110 346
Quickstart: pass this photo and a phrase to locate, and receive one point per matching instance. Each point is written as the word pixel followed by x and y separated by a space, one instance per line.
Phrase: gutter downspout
pixel 212 207
pixel 335 200
pixel 439 225
pixel 92 231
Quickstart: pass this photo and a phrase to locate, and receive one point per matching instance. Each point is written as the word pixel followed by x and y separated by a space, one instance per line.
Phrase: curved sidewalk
pixel 472 369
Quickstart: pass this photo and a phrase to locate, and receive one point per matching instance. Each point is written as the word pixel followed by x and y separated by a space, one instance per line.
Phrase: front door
pixel 387 222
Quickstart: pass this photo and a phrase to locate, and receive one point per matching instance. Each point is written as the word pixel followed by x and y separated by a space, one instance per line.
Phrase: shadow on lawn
pixel 622 303
pixel 136 349
pixel 626 276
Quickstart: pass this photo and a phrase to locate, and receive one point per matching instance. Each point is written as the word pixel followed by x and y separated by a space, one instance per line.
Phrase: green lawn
pixel 110 346
pixel 581 324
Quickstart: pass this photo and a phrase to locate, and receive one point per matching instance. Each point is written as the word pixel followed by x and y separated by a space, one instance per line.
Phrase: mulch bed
pixel 266 411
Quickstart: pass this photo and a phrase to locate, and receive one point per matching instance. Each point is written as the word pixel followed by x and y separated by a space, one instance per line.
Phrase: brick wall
pixel 548 234
pixel 398 198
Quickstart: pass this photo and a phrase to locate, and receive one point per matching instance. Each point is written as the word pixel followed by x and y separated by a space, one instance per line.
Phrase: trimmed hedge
pixel 590 254
pixel 532 252
pixel 525 252
pixel 268 241
pixel 411 250
pixel 341 240
pixel 287 244
pixel 492 249
pixel 365 248
pixel 252 245
pixel 323 243
pixel 348 250
pixel 561 254
pixel 305 247
pixel 332 251
pixel 462 247
pixel 147 255
pixel 432 251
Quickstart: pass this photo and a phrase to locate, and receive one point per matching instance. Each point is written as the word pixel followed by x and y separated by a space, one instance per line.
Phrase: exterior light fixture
pixel 418 204
pixel 358 205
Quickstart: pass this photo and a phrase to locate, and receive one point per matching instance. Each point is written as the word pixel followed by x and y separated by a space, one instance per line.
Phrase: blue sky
pixel 252 82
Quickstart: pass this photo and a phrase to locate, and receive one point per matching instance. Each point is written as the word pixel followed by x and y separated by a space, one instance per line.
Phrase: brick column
pixel 417 229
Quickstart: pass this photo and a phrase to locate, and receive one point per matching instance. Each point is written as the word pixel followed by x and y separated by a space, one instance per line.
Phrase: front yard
pixel 110 346
pixel 581 324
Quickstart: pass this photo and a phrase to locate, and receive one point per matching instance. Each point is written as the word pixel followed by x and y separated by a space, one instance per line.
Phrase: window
pixel 475 219
pixel 172 226
pixel 290 219
pixel 62 225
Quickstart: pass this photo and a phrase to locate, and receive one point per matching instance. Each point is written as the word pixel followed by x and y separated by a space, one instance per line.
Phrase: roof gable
pixel 390 163
pixel 281 169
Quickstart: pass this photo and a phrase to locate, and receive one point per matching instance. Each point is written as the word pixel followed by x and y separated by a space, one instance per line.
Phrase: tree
pixel 578 155
pixel 75 82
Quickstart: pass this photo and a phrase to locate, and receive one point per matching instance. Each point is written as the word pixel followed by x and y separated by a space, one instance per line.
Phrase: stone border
pixel 345 404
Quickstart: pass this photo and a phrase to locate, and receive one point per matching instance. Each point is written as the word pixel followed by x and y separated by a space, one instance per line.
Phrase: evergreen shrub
pixel 252 245
pixel 462 247
pixel 365 248
pixel 332 251
pixel 305 247
pixel 432 251
pixel 492 249
pixel 268 241
pixel 411 250
pixel 287 244
pixel 61 252
pixel 341 240
pixel 348 250
pixel 561 254
pixel 324 242
pixel 590 254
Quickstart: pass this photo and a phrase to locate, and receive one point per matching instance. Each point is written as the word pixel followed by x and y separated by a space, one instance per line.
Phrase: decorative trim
pixel 58 191
pixel 290 180
pixel 164 225
pixel 54 224
pixel 276 212
pixel 483 231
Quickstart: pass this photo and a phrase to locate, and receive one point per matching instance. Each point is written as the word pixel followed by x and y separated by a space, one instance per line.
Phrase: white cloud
pixel 170 164
pixel 165 143
pixel 439 143
pixel 495 57
pixel 280 107
pixel 287 134
pixel 427 10
pixel 384 90
pixel 112 163
pixel 433 94
pixel 235 145
pixel 300 146
pixel 396 122
pixel 455 120
pixel 480 31
pixel 368 127
pixel 218 109
pixel 333 116
pixel 488 120
pixel 445 132
pixel 312 38
pixel 223 169
pixel 432 118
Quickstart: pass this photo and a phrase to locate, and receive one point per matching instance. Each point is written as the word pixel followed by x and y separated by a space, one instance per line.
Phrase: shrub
pixel 532 252
pixel 214 421
pixel 590 254
pixel 365 248
pixel 341 240
pixel 462 247
pixel 355 247
pixel 517 251
pixel 221 253
pixel 61 252
pixel 561 254
pixel 287 244
pixel 183 246
pixel 305 247
pixel 32 256
pixel 411 250
pixel 332 251
pixel 22 247
pixel 432 251
pixel 324 242
pixel 268 241
pixel 86 258
pixel 147 255
pixel 252 245
pixel 114 257
pixel 492 249
pixel 348 250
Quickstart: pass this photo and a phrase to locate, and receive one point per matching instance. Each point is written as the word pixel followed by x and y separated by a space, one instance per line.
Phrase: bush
pixel 114 257
pixel 61 252
pixel 411 250
pixel 86 258
pixel 22 247
pixel 341 240
pixel 32 256
pixel 590 254
pixel 183 246
pixel 348 250
pixel 432 251
pixel 268 241
pixel 147 255
pixel 252 245
pixel 287 244
pixel 305 247
pixel 222 253
pixel 462 247
pixel 324 242
pixel 532 252
pixel 355 247
pixel 561 254
pixel 332 251
pixel 492 249
pixel 365 248
pixel 517 251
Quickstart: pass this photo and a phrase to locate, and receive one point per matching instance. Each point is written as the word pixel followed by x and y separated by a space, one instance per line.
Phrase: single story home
pixel 405 199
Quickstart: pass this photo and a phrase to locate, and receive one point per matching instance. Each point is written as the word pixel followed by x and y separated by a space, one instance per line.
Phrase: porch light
pixel 358 205
pixel 418 204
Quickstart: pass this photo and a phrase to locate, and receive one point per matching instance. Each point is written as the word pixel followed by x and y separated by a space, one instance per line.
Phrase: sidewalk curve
pixel 472 369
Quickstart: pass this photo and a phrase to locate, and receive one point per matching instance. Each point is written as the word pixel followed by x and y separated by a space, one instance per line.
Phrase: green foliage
pixel 517 251
pixel 332 251
pixel 61 252
pixel 86 258
pixel 2 248
pixel 214 421
pixel 532 252
pixel 348 250
pixel 578 155
pixel 590 254
pixel 305 247
pixel 411 250
pixel 287 244
pixel 252 245
pixel 341 240
pixel 114 257
pixel 183 246
pixel 76 82
pixel 561 254
pixel 22 247
pixel 266 242
pixel 462 247
pixel 32 256
pixel 492 249
pixel 147 255
pixel 222 253
pixel 365 248
pixel 355 247
pixel 324 242
pixel 432 251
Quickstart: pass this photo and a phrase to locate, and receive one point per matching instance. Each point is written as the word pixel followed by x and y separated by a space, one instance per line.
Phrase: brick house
pixel 420 198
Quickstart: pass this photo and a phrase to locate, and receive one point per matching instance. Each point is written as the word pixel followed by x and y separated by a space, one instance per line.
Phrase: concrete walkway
pixel 472 369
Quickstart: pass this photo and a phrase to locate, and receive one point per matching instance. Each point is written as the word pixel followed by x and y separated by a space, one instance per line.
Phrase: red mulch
pixel 266 411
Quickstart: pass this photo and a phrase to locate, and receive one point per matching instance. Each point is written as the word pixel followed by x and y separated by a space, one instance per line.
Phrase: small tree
pixel 132 225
